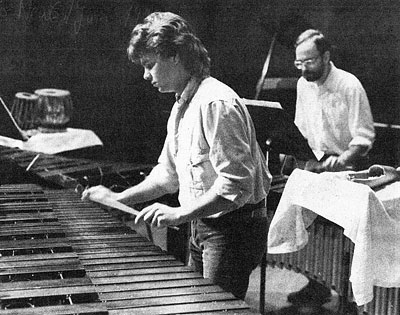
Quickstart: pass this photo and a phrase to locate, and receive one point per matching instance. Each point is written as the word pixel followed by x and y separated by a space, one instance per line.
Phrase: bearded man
pixel 332 108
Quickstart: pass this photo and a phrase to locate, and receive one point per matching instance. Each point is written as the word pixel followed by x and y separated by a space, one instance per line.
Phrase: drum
pixel 54 109
pixel 24 110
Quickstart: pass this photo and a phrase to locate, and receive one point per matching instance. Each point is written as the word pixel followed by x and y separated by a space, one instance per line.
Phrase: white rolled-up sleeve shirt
pixel 211 145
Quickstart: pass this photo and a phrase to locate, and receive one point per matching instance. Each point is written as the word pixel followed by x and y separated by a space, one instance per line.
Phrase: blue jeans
pixel 227 250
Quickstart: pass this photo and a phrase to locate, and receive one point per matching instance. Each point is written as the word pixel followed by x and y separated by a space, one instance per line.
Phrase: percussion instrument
pixel 64 172
pixel 54 109
pixel 57 171
pixel 24 110
pixel 327 258
pixel 62 255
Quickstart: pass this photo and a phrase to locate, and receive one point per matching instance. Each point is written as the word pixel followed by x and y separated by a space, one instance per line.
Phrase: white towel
pixel 366 217
pixel 56 142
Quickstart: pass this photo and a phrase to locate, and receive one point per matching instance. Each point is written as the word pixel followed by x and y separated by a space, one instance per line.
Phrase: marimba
pixel 59 171
pixel 62 255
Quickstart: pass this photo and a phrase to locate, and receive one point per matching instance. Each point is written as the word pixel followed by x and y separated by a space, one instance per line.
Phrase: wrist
pixel 346 158
pixel 119 196
pixel 342 160
pixel 352 154
pixel 184 214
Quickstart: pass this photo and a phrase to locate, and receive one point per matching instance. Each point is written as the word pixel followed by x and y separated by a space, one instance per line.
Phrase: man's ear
pixel 326 57
pixel 176 59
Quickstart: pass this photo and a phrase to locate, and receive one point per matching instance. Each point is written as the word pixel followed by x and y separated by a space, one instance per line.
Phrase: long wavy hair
pixel 166 34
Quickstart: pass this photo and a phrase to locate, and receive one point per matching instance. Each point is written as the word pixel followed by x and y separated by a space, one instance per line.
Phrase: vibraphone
pixel 327 258
pixel 61 255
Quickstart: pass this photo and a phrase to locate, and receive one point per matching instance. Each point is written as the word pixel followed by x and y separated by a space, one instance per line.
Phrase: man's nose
pixel 303 66
pixel 146 75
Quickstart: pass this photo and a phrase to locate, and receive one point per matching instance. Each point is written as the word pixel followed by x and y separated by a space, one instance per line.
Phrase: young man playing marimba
pixel 210 156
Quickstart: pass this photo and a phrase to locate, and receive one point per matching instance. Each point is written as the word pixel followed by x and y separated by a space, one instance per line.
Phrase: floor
pixel 279 283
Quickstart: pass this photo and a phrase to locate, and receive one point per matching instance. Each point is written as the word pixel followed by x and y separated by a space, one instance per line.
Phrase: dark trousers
pixel 227 249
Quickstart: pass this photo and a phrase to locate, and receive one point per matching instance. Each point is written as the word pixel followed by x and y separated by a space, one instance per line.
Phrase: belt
pixel 248 211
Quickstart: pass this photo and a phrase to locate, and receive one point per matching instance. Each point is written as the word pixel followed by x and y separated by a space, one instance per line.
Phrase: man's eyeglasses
pixel 308 62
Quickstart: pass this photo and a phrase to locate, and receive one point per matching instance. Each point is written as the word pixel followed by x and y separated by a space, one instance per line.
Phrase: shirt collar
pixel 329 78
pixel 188 92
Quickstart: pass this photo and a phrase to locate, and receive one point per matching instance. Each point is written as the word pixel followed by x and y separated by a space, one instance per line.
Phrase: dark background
pixel 80 46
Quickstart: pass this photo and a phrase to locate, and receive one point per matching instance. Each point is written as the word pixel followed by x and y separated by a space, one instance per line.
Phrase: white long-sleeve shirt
pixel 334 115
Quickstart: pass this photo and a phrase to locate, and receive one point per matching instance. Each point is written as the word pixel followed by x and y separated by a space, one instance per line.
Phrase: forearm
pixel 147 190
pixel 337 163
pixel 353 153
pixel 160 215
pixel 344 160
pixel 208 204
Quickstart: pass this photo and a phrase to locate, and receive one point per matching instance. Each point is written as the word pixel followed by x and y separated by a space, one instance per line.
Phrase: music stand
pixel 273 123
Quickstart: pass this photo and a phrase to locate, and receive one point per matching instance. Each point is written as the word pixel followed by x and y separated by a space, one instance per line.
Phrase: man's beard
pixel 313 75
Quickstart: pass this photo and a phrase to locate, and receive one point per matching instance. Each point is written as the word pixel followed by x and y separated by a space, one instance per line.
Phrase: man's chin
pixel 310 78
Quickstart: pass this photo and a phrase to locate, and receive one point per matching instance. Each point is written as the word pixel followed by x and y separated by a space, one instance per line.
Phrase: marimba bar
pixel 61 255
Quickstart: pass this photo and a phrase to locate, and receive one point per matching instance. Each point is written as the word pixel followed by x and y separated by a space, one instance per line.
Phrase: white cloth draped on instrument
pixel 370 219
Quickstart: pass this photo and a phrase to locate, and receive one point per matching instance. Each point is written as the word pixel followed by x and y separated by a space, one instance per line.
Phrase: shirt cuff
pixel 361 141
pixel 231 191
